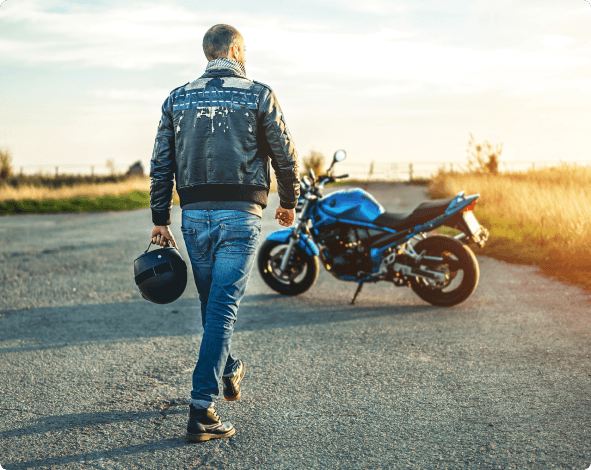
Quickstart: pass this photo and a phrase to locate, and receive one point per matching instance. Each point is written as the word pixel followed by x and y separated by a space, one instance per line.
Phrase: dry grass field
pixel 74 194
pixel 27 195
pixel 86 190
pixel 8 192
pixel 538 217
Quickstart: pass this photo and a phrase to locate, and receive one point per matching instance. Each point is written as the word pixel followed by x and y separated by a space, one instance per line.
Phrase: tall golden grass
pixel 38 193
pixel 89 190
pixel 540 217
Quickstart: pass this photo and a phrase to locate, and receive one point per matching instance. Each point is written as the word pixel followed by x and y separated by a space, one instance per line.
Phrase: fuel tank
pixel 351 204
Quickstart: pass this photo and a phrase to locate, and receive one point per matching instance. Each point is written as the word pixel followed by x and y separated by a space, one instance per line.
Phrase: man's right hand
pixel 285 216
pixel 161 235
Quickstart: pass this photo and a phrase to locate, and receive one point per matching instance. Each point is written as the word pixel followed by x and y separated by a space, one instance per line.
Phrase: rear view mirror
pixel 339 155
pixel 306 181
pixel 312 175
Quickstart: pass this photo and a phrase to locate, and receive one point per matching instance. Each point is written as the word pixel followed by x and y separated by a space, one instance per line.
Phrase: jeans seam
pixel 209 228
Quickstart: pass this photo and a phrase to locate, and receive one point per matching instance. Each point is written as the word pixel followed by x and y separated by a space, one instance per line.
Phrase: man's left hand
pixel 285 216
pixel 161 235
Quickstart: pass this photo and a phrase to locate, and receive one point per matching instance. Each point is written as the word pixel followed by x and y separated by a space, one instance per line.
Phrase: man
pixel 216 137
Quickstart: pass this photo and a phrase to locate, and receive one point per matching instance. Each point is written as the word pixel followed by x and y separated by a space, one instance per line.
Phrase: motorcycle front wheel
pixel 301 272
pixel 459 265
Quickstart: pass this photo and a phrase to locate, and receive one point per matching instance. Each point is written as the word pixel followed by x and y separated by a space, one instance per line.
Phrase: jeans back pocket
pixel 240 237
pixel 195 242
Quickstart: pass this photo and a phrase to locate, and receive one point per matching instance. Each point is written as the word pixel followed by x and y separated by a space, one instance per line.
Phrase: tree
pixel 5 163
pixel 483 158
pixel 315 161
pixel 111 166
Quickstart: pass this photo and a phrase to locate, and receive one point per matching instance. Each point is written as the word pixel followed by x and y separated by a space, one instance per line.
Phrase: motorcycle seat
pixel 423 213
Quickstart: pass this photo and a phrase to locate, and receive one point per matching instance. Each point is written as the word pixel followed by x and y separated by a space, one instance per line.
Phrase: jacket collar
pixel 225 64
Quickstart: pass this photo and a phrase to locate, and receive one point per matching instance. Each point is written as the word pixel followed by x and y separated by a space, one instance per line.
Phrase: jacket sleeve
pixel 162 168
pixel 284 157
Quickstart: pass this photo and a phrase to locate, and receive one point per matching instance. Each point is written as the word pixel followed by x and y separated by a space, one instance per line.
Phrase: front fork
pixel 293 238
pixel 295 235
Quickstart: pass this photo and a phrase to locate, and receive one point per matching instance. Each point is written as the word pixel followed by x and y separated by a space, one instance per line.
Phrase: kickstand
pixel 359 287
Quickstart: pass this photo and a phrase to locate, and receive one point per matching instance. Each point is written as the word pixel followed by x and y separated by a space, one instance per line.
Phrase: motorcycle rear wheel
pixel 301 272
pixel 460 266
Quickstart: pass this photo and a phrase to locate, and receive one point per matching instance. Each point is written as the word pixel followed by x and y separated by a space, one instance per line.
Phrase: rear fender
pixel 454 212
pixel 305 242
pixel 460 202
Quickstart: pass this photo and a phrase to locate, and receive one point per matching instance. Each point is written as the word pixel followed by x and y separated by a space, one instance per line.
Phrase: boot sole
pixel 236 397
pixel 232 398
pixel 206 437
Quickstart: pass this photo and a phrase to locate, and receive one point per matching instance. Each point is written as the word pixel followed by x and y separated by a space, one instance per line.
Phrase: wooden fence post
pixel 395 171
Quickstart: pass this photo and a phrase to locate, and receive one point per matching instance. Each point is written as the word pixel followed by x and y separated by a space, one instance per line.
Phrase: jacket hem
pixel 223 192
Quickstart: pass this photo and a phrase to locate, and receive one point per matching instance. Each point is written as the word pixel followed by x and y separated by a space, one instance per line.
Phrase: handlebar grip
pixel 342 176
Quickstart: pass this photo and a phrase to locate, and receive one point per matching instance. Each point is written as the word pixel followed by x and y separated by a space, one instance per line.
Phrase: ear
pixel 235 52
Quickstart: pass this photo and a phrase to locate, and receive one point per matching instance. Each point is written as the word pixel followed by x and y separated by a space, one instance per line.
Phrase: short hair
pixel 218 40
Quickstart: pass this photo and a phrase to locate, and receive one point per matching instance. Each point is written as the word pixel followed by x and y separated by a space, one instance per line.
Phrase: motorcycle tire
pixel 457 257
pixel 295 281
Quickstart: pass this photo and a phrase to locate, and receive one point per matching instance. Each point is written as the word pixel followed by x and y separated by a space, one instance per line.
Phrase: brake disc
pixel 293 270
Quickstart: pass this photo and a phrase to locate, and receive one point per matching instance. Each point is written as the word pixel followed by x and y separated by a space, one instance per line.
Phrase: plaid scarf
pixel 217 64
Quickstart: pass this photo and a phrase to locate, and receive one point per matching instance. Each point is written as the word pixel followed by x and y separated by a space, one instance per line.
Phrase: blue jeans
pixel 221 246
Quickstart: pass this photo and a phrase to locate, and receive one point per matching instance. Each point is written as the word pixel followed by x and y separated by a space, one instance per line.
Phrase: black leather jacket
pixel 217 136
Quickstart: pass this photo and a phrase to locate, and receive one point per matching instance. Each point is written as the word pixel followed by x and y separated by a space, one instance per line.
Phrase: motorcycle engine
pixel 345 251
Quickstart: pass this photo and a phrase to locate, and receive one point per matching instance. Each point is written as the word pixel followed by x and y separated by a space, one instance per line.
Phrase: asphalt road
pixel 94 377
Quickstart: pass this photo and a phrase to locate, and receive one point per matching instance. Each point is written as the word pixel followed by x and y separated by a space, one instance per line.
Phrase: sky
pixel 391 81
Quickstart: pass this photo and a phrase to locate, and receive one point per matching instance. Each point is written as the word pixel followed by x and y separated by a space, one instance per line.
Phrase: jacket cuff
pixel 160 217
pixel 288 205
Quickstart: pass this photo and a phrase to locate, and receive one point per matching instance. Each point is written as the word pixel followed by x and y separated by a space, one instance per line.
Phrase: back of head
pixel 218 40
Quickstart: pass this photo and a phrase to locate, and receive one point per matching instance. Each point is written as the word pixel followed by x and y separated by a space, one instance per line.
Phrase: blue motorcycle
pixel 357 240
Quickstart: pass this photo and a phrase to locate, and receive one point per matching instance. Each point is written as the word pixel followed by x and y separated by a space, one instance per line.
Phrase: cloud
pixel 347 72
pixel 378 7
pixel 134 95
pixel 384 58
pixel 128 38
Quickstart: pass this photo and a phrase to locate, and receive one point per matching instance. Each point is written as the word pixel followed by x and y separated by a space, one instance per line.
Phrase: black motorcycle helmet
pixel 161 275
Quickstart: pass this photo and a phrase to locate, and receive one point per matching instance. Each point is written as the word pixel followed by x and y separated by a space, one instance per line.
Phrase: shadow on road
pixel 46 424
pixel 89 457
pixel 48 328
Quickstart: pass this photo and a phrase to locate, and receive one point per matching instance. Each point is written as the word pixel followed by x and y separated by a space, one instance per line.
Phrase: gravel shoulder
pixel 93 376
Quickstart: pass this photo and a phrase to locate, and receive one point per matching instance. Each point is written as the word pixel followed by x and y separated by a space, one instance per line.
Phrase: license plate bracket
pixel 471 222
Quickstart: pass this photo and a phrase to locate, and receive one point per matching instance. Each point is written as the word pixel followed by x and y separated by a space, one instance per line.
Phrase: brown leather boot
pixel 232 384
pixel 205 424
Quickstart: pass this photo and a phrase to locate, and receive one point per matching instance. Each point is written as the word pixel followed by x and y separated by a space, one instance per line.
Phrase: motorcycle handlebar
pixel 323 179
pixel 331 178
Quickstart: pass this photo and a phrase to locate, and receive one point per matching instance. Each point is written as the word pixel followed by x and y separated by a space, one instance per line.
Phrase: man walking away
pixel 217 137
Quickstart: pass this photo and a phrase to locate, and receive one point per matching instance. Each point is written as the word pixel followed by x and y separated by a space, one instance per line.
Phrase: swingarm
pixel 413 268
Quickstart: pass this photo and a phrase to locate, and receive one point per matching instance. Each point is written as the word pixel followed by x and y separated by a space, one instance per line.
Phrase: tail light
pixel 470 207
